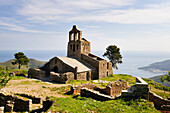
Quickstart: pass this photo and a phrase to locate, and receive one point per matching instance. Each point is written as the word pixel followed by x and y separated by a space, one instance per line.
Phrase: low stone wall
pixel 139 90
pixel 62 77
pixel 35 100
pixel 115 88
pixel 77 89
pixel 20 104
pixel 112 89
pixel 36 73
pixel 85 92
pixel 47 104
pixel 159 102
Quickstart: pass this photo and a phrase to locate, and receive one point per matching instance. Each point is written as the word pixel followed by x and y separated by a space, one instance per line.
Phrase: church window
pixel 77 47
pixel 70 47
pixel 74 47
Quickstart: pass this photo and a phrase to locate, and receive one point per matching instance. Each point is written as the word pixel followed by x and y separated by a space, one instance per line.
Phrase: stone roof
pixel 74 62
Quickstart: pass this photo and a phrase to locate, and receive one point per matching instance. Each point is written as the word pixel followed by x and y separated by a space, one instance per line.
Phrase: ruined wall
pixel 159 102
pixel 115 88
pixel 35 100
pixel 36 73
pixel 61 77
pixel 85 92
pixel 77 89
pixel 139 90
pixel 19 103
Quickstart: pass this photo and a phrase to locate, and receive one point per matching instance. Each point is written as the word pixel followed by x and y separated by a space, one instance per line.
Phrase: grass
pixel 158 88
pixel 128 78
pixel 85 105
pixel 60 90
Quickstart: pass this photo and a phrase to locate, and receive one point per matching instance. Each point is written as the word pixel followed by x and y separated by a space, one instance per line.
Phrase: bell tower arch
pixel 77 45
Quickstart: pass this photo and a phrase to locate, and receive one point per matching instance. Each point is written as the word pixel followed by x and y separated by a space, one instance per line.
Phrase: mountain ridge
pixel 158 67
pixel 33 63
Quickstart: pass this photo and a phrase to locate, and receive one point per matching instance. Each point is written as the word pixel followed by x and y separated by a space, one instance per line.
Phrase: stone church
pixel 80 63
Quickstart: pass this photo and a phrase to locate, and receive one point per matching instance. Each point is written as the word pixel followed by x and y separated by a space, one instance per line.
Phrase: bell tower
pixel 77 45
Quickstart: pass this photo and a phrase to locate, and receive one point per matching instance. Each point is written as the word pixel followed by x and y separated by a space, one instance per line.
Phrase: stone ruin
pixel 21 103
pixel 139 90
pixel 112 90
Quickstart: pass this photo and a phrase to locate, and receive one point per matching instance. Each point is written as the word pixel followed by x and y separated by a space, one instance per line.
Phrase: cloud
pixel 112 11
pixel 55 10
pixel 5 24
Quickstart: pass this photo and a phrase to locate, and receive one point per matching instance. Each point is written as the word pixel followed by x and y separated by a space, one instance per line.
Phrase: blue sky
pixel 132 25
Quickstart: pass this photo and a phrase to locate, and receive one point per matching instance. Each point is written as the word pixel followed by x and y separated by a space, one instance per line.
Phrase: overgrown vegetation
pixel 156 85
pixel 86 105
pixel 158 88
pixel 4 77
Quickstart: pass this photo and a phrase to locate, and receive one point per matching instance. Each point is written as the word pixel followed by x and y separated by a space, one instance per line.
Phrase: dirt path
pixel 35 87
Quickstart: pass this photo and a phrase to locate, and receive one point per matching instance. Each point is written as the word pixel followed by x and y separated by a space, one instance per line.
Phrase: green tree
pixel 168 76
pixel 113 54
pixel 4 77
pixel 20 59
pixel 162 79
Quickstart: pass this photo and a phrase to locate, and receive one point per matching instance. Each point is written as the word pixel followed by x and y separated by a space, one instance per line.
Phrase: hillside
pixel 70 103
pixel 163 66
pixel 157 79
pixel 32 63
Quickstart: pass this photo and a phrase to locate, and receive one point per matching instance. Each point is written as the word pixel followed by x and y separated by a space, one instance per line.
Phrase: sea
pixel 132 60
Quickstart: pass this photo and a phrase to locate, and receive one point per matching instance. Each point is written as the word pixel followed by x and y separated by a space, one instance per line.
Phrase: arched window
pixel 77 47
pixel 55 69
pixel 70 47
pixel 74 47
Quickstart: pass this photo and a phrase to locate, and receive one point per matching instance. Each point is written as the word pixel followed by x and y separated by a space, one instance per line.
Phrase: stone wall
pixel 61 77
pixel 19 103
pixel 58 66
pixel 35 100
pixel 77 45
pixel 109 68
pixel 112 89
pixel 83 75
pixel 77 89
pixel 36 73
pixel 139 90
pixel 115 88
pixel 159 102
pixel 85 92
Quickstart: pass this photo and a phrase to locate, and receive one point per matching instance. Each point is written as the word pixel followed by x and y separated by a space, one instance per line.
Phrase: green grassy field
pixel 88 105
pixel 74 104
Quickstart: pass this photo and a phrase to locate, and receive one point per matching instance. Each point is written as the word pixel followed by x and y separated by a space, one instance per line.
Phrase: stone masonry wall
pixel 19 103
pixel 36 73
pixel 139 90
pixel 115 88
pixel 61 77
pixel 158 101
pixel 85 92
pixel 35 100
